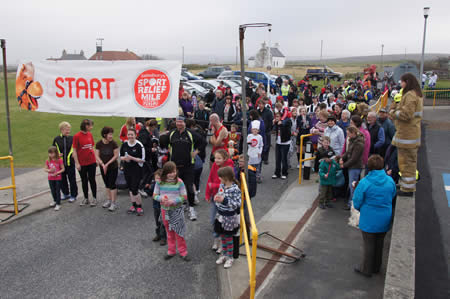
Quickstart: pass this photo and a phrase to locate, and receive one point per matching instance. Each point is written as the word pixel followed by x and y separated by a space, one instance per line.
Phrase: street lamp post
pixel 243 83
pixel 426 11
pixel 382 62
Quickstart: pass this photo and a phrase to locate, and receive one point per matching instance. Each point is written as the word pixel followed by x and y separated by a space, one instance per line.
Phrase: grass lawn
pixel 33 132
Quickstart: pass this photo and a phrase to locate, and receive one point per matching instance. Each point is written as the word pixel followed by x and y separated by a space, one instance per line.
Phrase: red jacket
pixel 212 186
pixel 124 132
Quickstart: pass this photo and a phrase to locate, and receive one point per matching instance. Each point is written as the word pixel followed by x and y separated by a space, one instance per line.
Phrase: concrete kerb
pixel 400 273
pixel 285 220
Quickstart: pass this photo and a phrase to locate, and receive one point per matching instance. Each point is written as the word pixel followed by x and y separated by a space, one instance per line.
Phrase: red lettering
pixel 70 80
pixel 97 88
pixel 108 82
pixel 82 87
pixel 57 83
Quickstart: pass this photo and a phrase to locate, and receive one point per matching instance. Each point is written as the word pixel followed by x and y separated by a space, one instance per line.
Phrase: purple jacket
pixel 186 105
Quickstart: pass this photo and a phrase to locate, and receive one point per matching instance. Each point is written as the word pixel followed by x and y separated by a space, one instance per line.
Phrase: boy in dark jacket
pixel 328 169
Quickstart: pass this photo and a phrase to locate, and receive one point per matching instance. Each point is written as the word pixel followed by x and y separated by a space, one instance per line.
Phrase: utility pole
pixel 321 48
pixel 5 78
pixel 382 62
pixel 426 11
pixel 236 56
pixel 182 55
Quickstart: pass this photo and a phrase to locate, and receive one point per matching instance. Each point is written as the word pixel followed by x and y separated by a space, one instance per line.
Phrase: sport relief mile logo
pixel 152 89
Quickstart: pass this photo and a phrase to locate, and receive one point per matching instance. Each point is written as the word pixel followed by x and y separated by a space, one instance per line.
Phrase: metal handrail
pixel 434 91
pixel 251 258
pixel 13 183
pixel 301 160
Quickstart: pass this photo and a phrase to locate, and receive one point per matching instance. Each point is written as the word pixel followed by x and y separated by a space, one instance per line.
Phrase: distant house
pixel 262 58
pixel 69 56
pixel 114 55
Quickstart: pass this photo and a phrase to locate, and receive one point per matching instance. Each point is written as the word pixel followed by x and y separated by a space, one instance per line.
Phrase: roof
pixel 115 55
pixel 72 57
pixel 275 52
pixel 252 58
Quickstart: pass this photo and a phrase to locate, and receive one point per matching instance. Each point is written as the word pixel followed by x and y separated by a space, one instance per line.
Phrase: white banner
pixel 102 88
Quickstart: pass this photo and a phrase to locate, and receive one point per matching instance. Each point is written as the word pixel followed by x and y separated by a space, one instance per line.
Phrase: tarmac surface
pixel 90 252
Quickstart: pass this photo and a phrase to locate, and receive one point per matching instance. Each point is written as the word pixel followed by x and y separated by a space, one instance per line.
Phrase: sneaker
pixel 216 244
pixel 275 176
pixel 197 192
pixel 107 204
pixel 64 197
pixel 221 260
pixel 143 193
pixel 57 207
pixel 192 214
pixel 140 212
pixel 219 249
pixel 112 207
pixel 283 177
pixel 84 202
pixel 196 201
pixel 72 199
pixel 52 204
pixel 162 242
pixel 228 263
pixel 186 258
pixel 131 210
pixel 156 238
pixel 168 256
pixel 93 202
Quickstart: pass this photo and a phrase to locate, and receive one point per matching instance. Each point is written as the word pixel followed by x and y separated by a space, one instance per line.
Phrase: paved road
pixel 432 208
pixel 89 252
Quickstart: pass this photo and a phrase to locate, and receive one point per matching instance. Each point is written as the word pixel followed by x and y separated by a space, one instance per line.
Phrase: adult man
pixel 219 104
pixel 336 135
pixel 184 145
pixel 210 97
pixel 424 80
pixel 285 89
pixel 201 115
pixel 219 138
pixel 367 93
pixel 376 134
pixel 388 127
pixel 267 116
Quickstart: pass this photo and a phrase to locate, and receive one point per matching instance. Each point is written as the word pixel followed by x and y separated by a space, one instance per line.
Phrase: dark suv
pixel 320 73
pixel 213 71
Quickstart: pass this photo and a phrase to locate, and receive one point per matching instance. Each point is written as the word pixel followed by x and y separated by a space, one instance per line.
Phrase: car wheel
pixel 314 78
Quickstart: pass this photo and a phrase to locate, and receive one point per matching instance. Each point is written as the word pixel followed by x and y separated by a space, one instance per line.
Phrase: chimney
pixel 99 48
pixel 99 44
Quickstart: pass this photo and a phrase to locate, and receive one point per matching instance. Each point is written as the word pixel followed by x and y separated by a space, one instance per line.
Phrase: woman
pixel 106 154
pixel 373 198
pixel 228 92
pixel 130 123
pixel 229 111
pixel 132 153
pixel 282 130
pixel 303 127
pixel 294 134
pixel 407 116
pixel 85 162
pixel 186 105
pixel 352 159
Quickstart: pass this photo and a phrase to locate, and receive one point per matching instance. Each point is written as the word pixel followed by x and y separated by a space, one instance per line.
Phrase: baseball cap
pixel 383 110
pixel 180 117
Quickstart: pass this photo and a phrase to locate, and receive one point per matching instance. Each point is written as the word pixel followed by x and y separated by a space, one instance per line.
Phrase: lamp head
pixel 426 12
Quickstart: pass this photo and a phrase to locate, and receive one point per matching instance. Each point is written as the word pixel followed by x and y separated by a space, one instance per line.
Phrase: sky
pixel 36 30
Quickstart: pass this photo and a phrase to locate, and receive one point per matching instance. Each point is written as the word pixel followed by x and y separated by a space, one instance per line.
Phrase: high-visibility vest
pixel 284 90
pixel 366 95
pixel 192 144
pixel 398 96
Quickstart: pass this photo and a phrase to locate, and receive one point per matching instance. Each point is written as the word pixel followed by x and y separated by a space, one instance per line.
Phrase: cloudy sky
pixel 43 28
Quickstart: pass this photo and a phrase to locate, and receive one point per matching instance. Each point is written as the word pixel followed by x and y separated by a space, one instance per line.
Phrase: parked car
pixel 320 73
pixel 286 77
pixel 213 84
pixel 190 76
pixel 183 78
pixel 199 90
pixel 235 87
pixel 213 71
pixel 225 74
pixel 258 77
pixel 232 77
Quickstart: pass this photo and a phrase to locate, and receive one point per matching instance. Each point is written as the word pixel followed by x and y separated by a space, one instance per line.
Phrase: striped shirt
pixel 174 191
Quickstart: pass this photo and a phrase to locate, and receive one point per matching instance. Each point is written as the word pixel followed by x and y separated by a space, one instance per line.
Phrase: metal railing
pixel 251 258
pixel 437 93
pixel 13 183
pixel 301 160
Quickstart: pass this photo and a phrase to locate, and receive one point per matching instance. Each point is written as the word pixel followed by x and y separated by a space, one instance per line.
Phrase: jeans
pixel 212 216
pixel 266 148
pixel 55 188
pixel 353 175
pixel 87 174
pixel 68 178
pixel 281 162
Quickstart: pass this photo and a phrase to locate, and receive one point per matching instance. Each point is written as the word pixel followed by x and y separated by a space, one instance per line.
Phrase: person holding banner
pixel 132 152
pixel 85 162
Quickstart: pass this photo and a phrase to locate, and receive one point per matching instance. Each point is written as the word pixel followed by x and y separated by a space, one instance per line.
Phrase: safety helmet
pixel 351 107
pixel 398 96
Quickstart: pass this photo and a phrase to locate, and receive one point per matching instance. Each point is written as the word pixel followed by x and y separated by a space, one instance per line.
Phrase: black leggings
pixel 87 174
pixel 110 177
pixel 133 177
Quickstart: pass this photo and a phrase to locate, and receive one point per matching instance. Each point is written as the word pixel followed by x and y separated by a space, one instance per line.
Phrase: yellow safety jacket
pixel 284 90
pixel 407 115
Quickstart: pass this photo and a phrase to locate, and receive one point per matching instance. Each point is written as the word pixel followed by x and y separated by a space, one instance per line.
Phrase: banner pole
pixel 5 74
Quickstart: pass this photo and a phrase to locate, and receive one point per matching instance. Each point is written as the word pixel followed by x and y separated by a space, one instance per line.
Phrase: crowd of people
pixel 165 161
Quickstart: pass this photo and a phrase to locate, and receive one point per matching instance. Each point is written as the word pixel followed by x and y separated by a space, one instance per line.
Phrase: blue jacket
pixel 373 198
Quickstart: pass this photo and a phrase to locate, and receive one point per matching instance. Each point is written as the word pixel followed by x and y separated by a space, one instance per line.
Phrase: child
pixel 171 193
pixel 232 151
pixel 54 166
pixel 234 135
pixel 160 231
pixel 226 224
pixel 327 172
pixel 255 145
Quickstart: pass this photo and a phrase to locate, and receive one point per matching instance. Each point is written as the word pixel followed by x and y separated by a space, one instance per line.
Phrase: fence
pixel 251 257
pixel 13 183
pixel 437 94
